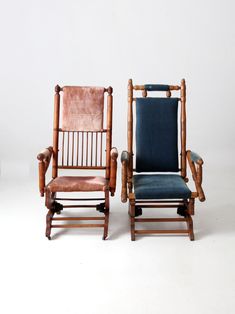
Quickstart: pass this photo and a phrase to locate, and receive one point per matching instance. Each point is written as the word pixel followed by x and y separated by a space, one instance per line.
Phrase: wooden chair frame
pixel 185 207
pixel 110 175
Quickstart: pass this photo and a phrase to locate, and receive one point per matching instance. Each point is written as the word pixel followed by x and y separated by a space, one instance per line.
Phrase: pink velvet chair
pixel 81 141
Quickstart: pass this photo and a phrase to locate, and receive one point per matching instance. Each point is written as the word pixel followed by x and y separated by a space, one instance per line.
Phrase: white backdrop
pixel 105 43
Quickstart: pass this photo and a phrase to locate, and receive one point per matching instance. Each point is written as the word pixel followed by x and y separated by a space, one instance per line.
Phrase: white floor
pixel 77 272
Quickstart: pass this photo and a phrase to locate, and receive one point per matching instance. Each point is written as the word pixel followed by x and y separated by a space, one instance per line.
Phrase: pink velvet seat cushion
pixel 76 184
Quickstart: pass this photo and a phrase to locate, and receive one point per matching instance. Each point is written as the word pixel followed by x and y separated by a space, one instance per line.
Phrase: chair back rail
pixel 81 149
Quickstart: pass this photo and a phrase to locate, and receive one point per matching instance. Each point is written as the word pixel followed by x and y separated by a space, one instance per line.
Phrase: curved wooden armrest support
pixel 113 170
pixel 125 158
pixel 195 164
pixel 44 160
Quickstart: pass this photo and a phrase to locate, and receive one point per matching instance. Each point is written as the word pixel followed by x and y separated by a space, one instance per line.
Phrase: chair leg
pixel 190 227
pixel 132 215
pixel 49 202
pixel 191 206
pixel 49 217
pixel 106 213
pixel 132 219
pixel 132 229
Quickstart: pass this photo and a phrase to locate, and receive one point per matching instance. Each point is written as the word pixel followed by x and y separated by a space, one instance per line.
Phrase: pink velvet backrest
pixel 82 108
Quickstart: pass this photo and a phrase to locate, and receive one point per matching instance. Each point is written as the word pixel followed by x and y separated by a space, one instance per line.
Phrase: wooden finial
pixel 130 87
pixel 57 89
pixel 110 90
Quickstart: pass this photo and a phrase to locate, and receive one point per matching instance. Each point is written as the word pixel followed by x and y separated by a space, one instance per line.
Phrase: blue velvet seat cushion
pixel 160 186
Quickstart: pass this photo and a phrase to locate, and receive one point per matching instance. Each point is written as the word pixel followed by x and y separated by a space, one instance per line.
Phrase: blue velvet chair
pixel 155 175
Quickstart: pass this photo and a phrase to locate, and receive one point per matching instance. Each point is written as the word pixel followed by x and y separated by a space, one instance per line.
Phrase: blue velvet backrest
pixel 157 135
pixel 156 87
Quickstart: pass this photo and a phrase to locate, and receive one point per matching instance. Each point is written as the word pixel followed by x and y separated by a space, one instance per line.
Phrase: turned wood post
pixel 144 93
pixel 113 170
pixel 42 170
pixel 124 182
pixel 191 206
pixel 183 128
pixel 168 94
pixel 132 215
pixel 109 130
pixel 56 131
pixel 130 133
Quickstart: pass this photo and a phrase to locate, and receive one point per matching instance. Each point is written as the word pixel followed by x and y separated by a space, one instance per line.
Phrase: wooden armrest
pixel 195 159
pixel 125 158
pixel 113 170
pixel 45 155
pixel 44 160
